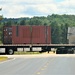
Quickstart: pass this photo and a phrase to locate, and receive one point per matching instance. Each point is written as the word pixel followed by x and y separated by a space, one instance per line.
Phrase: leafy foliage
pixel 59 25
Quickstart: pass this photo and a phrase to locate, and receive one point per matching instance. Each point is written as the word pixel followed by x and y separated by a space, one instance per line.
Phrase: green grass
pixel 21 53
pixel 2 58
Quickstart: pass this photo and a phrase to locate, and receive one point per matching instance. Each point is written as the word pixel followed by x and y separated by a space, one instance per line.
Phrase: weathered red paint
pixel 23 36
pixel 7 35
pixel 48 35
pixel 27 34
pixel 38 34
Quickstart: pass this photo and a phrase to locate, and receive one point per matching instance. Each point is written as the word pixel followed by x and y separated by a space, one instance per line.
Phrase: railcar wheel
pixel 10 51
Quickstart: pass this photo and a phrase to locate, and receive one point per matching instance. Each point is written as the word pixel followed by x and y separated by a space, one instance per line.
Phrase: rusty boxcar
pixel 27 35
pixel 15 37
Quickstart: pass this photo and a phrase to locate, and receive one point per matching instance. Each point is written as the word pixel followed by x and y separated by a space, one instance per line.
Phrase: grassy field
pixel 35 52
pixel 2 58
pixel 20 53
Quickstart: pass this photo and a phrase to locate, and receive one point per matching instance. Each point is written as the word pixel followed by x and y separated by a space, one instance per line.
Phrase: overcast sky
pixel 30 8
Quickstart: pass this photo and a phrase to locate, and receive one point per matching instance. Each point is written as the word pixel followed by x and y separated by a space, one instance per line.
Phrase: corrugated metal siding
pixel 48 35
pixel 71 35
pixel 38 34
pixel 14 37
pixel 28 34
pixel 7 35
pixel 21 35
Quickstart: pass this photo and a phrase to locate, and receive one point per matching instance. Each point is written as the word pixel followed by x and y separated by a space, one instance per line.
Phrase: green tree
pixel 56 33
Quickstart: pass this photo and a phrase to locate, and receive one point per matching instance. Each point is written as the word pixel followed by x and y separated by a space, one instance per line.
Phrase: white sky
pixel 30 8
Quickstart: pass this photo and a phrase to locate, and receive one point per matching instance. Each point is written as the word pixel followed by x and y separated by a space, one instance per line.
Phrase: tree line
pixel 59 25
